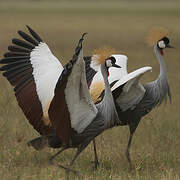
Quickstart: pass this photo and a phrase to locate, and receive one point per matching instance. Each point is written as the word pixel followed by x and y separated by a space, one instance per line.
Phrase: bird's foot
pixel 96 164
pixel 131 167
pixel 68 170
pixel 51 161
pixel 132 170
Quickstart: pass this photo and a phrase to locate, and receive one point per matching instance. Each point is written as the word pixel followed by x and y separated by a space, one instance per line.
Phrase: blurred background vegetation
pixel 120 24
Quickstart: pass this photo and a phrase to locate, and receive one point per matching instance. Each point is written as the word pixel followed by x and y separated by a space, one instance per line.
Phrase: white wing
pixel 46 71
pixel 132 91
pixel 80 105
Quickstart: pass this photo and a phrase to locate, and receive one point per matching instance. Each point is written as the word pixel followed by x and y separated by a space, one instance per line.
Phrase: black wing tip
pixel 22 43
pixel 34 34
pixel 2 61
pixel 20 32
pixel 28 38
pixel 82 38
pixel 28 27
pixel 84 34
pixel 79 46
pixel 2 68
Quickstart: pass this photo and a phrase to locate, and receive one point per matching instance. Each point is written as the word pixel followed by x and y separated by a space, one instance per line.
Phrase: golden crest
pixel 156 34
pixel 101 54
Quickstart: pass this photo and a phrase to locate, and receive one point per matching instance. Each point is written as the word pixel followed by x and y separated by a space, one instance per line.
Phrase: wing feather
pixel 90 72
pixel 58 109
pixel 34 34
pixel 72 106
pixel 16 49
pixel 131 89
pixel 81 107
pixel 22 43
pixel 28 38
pixel 33 70
pixel 13 54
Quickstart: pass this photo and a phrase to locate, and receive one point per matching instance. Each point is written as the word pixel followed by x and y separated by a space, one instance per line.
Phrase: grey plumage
pixel 155 93
pixel 107 107
pixel 159 89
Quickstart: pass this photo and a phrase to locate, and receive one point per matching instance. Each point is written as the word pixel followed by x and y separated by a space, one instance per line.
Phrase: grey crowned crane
pixel 132 99
pixel 57 101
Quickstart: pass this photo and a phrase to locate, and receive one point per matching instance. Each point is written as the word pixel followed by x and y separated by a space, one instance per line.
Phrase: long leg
pixel 68 169
pixel 71 163
pixel 96 162
pixel 127 151
pixel 80 149
pixel 52 157
pixel 132 128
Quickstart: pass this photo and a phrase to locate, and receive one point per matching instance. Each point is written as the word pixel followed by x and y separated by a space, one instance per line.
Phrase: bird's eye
pixel 113 60
pixel 108 63
pixel 161 44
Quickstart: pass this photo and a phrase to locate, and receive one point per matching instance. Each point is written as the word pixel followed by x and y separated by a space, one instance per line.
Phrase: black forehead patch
pixel 113 60
pixel 166 40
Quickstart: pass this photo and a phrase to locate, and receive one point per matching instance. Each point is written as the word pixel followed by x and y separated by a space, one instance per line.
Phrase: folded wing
pixel 128 91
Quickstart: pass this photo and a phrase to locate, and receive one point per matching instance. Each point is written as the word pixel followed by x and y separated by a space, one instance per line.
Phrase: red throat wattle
pixel 162 52
pixel 107 73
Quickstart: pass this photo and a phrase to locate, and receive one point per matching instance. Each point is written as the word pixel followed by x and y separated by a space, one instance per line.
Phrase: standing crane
pixel 132 99
pixel 57 101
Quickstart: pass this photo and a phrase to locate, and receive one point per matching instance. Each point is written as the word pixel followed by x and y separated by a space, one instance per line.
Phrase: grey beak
pixel 169 46
pixel 115 65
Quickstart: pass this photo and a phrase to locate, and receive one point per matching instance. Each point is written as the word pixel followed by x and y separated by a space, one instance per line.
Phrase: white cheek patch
pixel 108 63
pixel 161 44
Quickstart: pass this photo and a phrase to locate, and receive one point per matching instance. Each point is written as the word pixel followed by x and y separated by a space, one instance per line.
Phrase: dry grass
pixel 123 26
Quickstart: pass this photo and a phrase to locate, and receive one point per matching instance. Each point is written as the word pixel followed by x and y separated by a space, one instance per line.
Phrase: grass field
pixel 123 25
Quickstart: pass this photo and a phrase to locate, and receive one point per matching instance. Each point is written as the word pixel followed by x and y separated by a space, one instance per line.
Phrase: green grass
pixel 124 26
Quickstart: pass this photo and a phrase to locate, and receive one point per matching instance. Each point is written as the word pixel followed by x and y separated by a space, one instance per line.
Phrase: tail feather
pixel 39 143
pixel 45 141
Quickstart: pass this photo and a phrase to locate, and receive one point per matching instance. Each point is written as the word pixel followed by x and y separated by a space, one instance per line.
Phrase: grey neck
pixel 163 70
pixel 108 93
pixel 160 86
pixel 107 106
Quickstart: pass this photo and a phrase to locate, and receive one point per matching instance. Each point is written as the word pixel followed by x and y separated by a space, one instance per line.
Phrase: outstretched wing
pixel 81 107
pixel 128 91
pixel 72 94
pixel 33 71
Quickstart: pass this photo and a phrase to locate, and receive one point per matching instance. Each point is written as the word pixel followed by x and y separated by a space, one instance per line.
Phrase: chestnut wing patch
pixel 23 73
pixel 58 110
